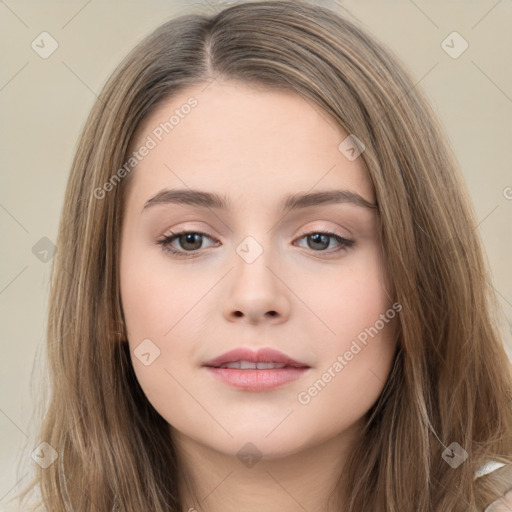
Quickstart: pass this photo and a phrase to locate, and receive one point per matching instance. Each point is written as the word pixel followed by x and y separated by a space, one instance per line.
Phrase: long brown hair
pixel 451 378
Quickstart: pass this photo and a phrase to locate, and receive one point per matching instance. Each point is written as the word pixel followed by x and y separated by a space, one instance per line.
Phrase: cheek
pixel 357 349
pixel 155 296
pixel 350 301
pixel 162 303
pixel 158 310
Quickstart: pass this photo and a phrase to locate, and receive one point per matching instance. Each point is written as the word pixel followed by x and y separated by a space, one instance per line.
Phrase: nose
pixel 257 291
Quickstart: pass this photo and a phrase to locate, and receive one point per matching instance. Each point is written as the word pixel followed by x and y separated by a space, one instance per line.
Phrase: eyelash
pixel 166 241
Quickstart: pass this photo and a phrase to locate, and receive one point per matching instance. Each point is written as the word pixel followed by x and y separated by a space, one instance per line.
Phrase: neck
pixel 308 479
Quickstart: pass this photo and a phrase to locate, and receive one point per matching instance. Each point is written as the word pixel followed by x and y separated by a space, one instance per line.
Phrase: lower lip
pixel 257 380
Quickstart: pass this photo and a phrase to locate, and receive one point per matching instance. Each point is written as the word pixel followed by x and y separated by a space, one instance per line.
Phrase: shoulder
pixel 503 472
pixel 503 504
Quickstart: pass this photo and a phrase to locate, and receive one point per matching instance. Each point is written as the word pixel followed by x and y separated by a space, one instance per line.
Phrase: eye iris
pixel 319 238
pixel 189 238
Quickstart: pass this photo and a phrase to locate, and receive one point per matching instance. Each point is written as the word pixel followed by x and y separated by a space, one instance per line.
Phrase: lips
pixel 259 371
pixel 245 359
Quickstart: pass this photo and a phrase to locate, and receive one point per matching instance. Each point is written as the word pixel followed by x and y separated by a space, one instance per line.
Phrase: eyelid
pixel 310 231
pixel 167 239
pixel 344 242
pixel 165 242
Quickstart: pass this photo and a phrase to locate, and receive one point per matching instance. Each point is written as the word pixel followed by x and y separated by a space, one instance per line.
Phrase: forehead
pixel 244 141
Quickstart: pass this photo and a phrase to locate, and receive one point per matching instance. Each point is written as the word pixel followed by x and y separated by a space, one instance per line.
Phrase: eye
pixel 319 241
pixel 188 240
pixel 191 241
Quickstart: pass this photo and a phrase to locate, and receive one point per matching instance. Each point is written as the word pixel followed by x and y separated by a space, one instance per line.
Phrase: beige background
pixel 45 102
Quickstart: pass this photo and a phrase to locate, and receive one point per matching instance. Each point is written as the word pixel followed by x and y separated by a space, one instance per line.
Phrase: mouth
pixel 256 371
pixel 247 359
pixel 250 365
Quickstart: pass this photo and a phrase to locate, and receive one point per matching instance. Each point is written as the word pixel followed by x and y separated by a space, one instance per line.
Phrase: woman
pixel 258 372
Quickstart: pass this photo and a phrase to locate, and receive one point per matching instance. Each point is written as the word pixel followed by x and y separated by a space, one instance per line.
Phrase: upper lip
pixel 263 355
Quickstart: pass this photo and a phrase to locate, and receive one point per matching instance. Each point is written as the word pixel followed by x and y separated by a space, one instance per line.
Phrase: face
pixel 306 280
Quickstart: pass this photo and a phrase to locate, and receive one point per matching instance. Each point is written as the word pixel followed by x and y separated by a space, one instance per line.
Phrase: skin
pixel 254 146
pixel 503 504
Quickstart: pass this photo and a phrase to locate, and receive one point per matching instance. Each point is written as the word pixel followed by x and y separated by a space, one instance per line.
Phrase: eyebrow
pixel 290 202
